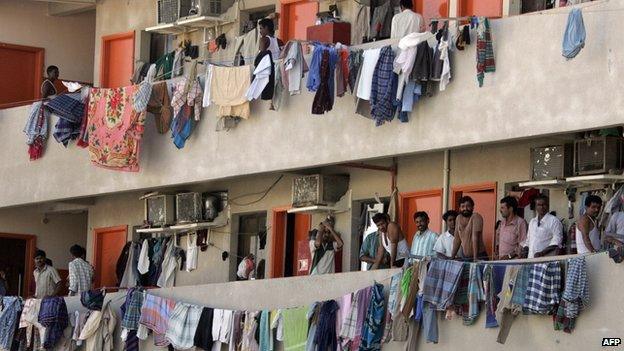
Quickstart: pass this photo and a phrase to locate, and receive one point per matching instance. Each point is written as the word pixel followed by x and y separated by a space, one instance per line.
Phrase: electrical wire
pixel 262 193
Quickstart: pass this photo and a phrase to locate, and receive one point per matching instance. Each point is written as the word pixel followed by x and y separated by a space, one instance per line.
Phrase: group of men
pixel 48 282
pixel 463 239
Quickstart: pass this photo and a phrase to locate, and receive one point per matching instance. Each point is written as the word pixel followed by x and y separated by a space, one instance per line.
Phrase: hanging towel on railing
pixel 574 35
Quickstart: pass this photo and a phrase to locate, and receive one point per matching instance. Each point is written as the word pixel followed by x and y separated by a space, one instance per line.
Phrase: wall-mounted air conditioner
pixel 598 155
pixel 551 162
pixel 159 210
pixel 318 189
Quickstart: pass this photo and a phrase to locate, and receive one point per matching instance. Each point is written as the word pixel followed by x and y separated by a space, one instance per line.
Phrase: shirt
pixel 511 236
pixel 615 228
pixel 444 244
pixel 80 275
pixel 183 325
pixel 326 263
pixel 422 243
pixel 405 23
pixel 543 233
pixel 45 280
pixel 369 247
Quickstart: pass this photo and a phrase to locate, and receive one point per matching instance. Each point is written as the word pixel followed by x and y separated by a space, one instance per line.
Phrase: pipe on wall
pixel 446 189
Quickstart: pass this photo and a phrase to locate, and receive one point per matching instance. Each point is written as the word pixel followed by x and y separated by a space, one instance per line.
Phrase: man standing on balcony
pixel 469 232
pixel 512 231
pixel 545 233
pixel 47 87
pixel 406 22
pixel 587 231
pixel 80 271
pixel 47 279
pixel 444 245
pixel 424 240
pixel 327 243
pixel 393 249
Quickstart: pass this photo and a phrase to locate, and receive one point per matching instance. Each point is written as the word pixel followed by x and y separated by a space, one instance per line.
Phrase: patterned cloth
pixel 543 288
pixel 324 97
pixel 80 275
pixel 83 138
pixel 132 315
pixel 372 330
pixel 66 131
pixel 485 50
pixel 36 129
pixel 475 294
pixel 349 327
pixel 355 62
pixel 53 316
pixel 576 292
pixel 9 319
pixel 115 129
pixel 92 299
pixel 183 325
pixel 68 107
pixel 382 96
pixel 155 316
pixel 187 92
pixel 441 282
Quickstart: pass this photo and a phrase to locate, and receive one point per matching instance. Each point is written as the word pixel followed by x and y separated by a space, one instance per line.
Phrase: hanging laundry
pixel 342 72
pixel 372 331
pixel 404 62
pixel 507 309
pixel 115 129
pixel 325 337
pixel 323 99
pixel 445 77
pixel 393 303
pixel 543 288
pixel 382 20
pixel 574 35
pixel 133 304
pixel 53 316
pixel 247 46
pixel 98 330
pixel 131 273
pixel 280 90
pixel 293 67
pixel 92 299
pixel 203 335
pixel 360 31
pixel 266 337
pixel 263 83
pixel 575 295
pixel 250 326
pixel 441 282
pixel 364 300
pixel 9 320
pixel 144 91
pixel 140 72
pixel 155 314
pixel 80 319
pixel 222 325
pixel 228 90
pixel 235 330
pixel 178 62
pixel 192 251
pixel 485 50
pixel 411 95
pixel 68 107
pixel 355 63
pixel 493 283
pixel 36 130
pixel 365 82
pixel 382 95
pixel 349 326
pixel 182 326
pixel 65 131
pixel 169 265
pixel 313 320
pixel 186 104
pixel 29 319
pixel 83 137
pixel 295 328
pixel 164 66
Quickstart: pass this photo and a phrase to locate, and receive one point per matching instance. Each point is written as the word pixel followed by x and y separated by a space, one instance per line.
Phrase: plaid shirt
pixel 9 319
pixel 543 288
pixel 68 107
pixel 576 293
pixel 485 51
pixel 349 327
pixel 155 315
pixel 183 325
pixel 80 276
pixel 382 95
pixel 441 282
pixel 193 97
pixel 132 315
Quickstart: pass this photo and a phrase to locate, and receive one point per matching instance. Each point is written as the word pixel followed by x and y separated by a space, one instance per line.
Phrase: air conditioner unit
pixel 551 162
pixel 206 8
pixel 159 210
pixel 189 208
pixel 598 155
pixel 318 189
pixel 169 10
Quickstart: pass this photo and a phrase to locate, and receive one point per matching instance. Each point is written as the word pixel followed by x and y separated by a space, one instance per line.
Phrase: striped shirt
pixel 80 275
pixel 423 243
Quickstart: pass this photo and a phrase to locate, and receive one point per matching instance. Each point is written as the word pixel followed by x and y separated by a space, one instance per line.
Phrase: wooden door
pixel 287 242
pixel 302 255
pixel 431 9
pixel 108 245
pixel 21 70
pixel 117 63
pixel 296 17
pixel 16 259
pixel 484 196
pixel 428 201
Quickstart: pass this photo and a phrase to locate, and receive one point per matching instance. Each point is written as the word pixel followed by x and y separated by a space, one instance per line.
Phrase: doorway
pixel 252 240
pixel 296 17
pixel 22 66
pixel 429 201
pixel 484 196
pixel 16 259
pixel 108 245
pixel 290 254
pixel 117 63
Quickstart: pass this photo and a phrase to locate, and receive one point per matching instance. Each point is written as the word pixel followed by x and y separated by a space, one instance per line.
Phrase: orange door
pixel 487 8
pixel 431 8
pixel 484 197
pixel 296 17
pixel 21 69
pixel 302 256
pixel 427 201
pixel 108 245
pixel 117 60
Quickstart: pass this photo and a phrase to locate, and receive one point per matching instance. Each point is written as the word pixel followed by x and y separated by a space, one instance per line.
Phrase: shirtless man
pixel 587 231
pixel 392 240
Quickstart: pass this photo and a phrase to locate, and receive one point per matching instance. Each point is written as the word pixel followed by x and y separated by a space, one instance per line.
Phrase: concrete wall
pixel 54 237
pixel 68 41
pixel 599 320
pixel 530 95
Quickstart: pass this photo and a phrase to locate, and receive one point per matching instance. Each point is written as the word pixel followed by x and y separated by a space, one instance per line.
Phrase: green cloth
pixel 295 328
pixel 369 247
pixel 166 63
pixel 406 281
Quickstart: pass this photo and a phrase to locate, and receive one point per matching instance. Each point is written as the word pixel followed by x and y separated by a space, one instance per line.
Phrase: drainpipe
pixel 446 186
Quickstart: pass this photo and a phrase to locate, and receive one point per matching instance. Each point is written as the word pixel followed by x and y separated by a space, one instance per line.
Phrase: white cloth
pixel 98 330
pixel 178 59
pixel 274 47
pixel 615 228
pixel 221 325
pixel 192 251
pixel 72 86
pixel 594 237
pixel 548 232
pixel 142 332
pixel 444 244
pixel 144 262
pixel 206 100
pixel 365 84
pixel 403 250
pixel 327 263
pixel 404 62
pixel 168 267
pixel 262 75
pixel 293 66
pixel 445 78
pixel 405 23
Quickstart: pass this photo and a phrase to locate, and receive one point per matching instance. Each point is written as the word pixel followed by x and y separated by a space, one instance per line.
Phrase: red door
pixel 427 201
pixel 484 197
pixel 289 243
pixel 21 69
pixel 431 8
pixel 296 17
pixel 302 256
pixel 108 245
pixel 117 60
pixel 487 8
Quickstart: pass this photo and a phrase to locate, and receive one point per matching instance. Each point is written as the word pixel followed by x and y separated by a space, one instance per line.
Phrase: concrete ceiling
pixel 68 7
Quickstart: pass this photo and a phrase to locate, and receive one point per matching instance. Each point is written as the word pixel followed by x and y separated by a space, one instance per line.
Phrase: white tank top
pixel 594 237
pixel 273 47
pixel 403 250
pixel 191 252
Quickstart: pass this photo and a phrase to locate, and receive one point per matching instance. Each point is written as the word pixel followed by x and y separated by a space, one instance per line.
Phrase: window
pixel 486 8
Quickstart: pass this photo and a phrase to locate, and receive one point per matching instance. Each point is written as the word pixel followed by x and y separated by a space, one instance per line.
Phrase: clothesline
pixel 515 261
